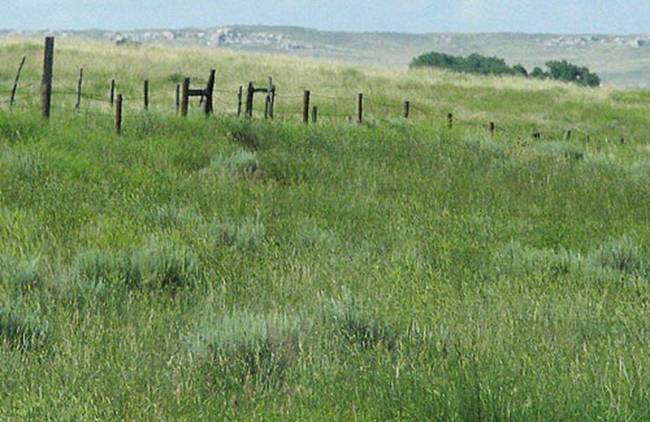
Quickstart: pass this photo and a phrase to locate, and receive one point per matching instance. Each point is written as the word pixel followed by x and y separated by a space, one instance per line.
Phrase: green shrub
pixel 348 319
pixel 562 150
pixel 170 216
pixel 241 162
pixel 163 265
pixel 515 258
pixel 621 255
pixel 243 348
pixel 249 234
pixel 22 275
pixel 21 331
pixel 245 133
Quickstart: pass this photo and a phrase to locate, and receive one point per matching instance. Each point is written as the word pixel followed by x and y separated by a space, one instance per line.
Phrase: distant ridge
pixel 622 60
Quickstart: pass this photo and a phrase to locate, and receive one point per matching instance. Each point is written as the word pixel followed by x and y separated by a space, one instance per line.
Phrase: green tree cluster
pixel 482 65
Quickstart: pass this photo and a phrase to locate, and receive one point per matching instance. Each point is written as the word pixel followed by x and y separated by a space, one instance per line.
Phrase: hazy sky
pixel 557 16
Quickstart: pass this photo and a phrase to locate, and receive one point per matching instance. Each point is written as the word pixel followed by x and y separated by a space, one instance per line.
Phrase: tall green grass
pixel 201 269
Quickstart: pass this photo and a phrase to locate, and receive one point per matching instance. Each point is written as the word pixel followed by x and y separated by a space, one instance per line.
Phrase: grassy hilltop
pixel 396 269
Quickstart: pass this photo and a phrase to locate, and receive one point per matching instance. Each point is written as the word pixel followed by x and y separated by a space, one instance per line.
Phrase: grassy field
pixel 225 269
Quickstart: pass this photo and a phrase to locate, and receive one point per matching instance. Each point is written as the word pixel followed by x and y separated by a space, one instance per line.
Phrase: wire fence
pixel 88 100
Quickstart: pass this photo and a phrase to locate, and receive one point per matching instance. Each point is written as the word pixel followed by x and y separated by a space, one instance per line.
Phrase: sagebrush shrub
pixel 165 264
pixel 20 274
pixel 251 349
pixel 241 162
pixel 348 319
pixel 248 234
pixel 21 330
pixel 622 255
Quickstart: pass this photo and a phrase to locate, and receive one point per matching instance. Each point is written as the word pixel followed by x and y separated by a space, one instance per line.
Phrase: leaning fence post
pixel 46 84
pixel 185 99
pixel 146 94
pixel 112 93
pixel 15 88
pixel 77 105
pixel 407 109
pixel 360 108
pixel 306 100
pixel 209 93
pixel 118 115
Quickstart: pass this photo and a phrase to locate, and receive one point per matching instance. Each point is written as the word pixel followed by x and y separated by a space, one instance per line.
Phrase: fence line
pixel 310 106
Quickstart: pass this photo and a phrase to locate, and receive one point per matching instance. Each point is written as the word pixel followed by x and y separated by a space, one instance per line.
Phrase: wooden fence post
pixel 306 100
pixel 407 109
pixel 46 84
pixel 15 88
pixel 267 107
pixel 178 98
pixel 314 115
pixel 272 110
pixel 537 134
pixel 493 128
pixel 209 93
pixel 268 112
pixel 240 95
pixel 360 108
pixel 77 105
pixel 112 93
pixel 146 94
pixel 185 98
pixel 118 115
pixel 450 120
pixel 250 98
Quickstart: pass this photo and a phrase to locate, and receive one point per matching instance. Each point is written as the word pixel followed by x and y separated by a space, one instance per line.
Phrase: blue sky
pixel 557 16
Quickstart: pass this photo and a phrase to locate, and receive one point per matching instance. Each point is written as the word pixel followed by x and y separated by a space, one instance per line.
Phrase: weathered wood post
pixel 250 96
pixel 178 98
pixel 118 115
pixel 146 94
pixel 15 87
pixel 306 100
pixel 272 110
pixel 267 107
pixel 360 108
pixel 450 120
pixel 407 109
pixel 268 112
pixel 112 93
pixel 209 94
pixel 46 84
pixel 314 115
pixel 77 105
pixel 240 96
pixel 185 98
pixel 493 128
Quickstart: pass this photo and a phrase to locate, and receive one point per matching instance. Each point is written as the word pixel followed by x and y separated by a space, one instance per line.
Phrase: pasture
pixel 222 268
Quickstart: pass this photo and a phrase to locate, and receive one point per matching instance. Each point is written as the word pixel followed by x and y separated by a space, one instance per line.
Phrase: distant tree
pixel 520 70
pixel 565 71
pixel 539 73
pixel 482 65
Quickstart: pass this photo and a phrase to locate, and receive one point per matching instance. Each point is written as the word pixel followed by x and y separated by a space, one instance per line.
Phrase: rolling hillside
pixel 399 269
pixel 623 61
